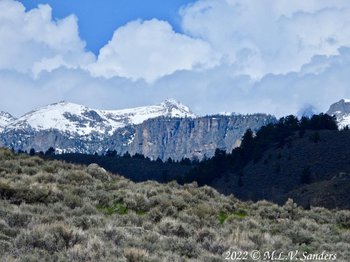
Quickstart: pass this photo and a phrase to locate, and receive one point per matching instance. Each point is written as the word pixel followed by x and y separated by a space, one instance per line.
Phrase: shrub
pixel 72 201
pixel 52 238
pixel 29 170
pixel 116 208
pixel 300 236
pixel 205 234
pixel 169 226
pixel 77 176
pixel 183 247
pixel 4 246
pixel 18 219
pixel 44 177
pixel 204 210
pixel 114 234
pixel 135 254
pixel 137 202
pixel 343 219
pixel 94 250
pixel 98 172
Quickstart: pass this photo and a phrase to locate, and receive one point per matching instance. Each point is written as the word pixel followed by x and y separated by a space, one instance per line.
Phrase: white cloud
pixel 244 56
pixel 32 42
pixel 150 50
pixel 206 92
pixel 216 90
pixel 272 36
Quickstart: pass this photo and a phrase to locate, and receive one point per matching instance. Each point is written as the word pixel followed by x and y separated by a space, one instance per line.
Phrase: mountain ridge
pixel 167 130
pixel 81 120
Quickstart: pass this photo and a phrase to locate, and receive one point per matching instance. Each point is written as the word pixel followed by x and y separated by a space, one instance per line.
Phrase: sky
pixel 97 20
pixel 244 56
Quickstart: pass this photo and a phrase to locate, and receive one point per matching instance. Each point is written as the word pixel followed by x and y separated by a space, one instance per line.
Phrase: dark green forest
pixel 137 168
pixel 253 146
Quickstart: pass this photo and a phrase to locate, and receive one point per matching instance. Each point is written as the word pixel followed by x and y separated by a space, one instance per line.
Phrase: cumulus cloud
pixel 272 36
pixel 206 92
pixel 243 56
pixel 31 42
pixel 150 50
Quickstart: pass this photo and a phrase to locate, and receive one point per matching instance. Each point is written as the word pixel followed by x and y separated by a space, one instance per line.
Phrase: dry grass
pixel 53 211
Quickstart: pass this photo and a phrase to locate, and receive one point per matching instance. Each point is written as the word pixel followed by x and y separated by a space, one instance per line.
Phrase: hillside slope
pixel 52 211
pixel 299 166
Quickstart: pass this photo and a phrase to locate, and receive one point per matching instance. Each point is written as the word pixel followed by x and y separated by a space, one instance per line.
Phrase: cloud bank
pixel 232 55
pixel 32 42
pixel 272 36
pixel 150 50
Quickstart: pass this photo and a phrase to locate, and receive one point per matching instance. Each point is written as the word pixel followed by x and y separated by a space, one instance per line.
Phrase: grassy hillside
pixel 53 211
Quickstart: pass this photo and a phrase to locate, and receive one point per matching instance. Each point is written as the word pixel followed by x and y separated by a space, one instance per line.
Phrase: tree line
pixel 254 145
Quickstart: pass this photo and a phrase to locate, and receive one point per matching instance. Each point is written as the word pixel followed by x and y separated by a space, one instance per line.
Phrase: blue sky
pixel 245 56
pixel 98 19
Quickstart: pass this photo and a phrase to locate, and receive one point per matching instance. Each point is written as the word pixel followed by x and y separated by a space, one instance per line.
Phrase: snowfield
pixel 81 120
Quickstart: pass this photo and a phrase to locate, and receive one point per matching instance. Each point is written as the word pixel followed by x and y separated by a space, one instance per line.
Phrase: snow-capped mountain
pixel 341 110
pixel 81 120
pixel 166 130
pixel 5 119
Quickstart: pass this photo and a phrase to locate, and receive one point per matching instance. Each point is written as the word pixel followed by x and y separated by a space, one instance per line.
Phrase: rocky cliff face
pixel 186 138
pixel 162 137
pixel 27 139
pixel 341 110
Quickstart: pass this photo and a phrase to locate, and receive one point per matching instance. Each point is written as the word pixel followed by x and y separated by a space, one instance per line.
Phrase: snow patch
pixel 5 119
pixel 77 119
pixel 131 139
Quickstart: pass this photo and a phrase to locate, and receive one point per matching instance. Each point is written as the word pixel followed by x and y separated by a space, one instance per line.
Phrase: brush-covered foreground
pixel 53 211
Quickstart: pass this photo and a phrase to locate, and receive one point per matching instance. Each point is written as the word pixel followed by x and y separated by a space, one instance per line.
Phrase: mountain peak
pixel 5 119
pixel 172 101
pixel 62 103
pixel 340 107
pixel 175 108
pixel 345 100
pixel 6 115
pixel 341 110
